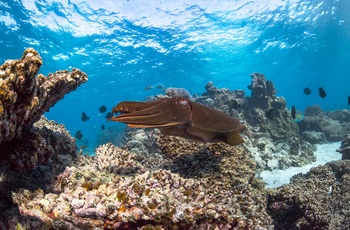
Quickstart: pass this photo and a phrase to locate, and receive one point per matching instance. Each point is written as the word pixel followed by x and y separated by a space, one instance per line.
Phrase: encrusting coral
pixel 24 98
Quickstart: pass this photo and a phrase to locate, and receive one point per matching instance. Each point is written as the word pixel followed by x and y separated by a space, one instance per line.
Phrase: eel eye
pixel 183 102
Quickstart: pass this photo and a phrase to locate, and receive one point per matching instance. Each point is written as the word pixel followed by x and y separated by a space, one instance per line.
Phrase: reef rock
pixel 24 97
pixel 326 126
pixel 345 148
pixel 272 137
pixel 262 90
pixel 47 136
pixel 316 200
pixel 177 194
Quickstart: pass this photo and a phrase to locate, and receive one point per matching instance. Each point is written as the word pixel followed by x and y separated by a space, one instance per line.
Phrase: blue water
pixel 125 46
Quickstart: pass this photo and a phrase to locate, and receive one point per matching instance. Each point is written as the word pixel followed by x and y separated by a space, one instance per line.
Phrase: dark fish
pixel 233 104
pixel 148 87
pixel 109 116
pixel 103 127
pixel 293 112
pixel 307 91
pixel 270 113
pixel 160 86
pixel 102 109
pixel 322 92
pixel 84 117
pixel 78 135
pixel 348 100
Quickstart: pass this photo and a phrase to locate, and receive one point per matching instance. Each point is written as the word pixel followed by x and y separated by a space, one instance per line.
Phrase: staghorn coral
pixel 24 97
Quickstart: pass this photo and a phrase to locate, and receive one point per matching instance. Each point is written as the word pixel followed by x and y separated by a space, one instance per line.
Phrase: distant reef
pixel 162 182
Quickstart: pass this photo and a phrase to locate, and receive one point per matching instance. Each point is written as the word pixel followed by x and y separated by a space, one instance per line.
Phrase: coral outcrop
pixel 272 137
pixel 320 127
pixel 52 136
pixel 33 150
pixel 345 148
pixel 316 200
pixel 24 97
pixel 224 194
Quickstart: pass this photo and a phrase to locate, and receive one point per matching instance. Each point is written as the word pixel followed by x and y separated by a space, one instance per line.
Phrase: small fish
pixel 109 116
pixel 160 86
pixel 103 127
pixel 84 117
pixel 149 87
pixel 78 135
pixel 298 117
pixel 348 100
pixel 293 112
pixel 270 113
pixel 233 104
pixel 102 109
pixel 307 91
pixel 322 92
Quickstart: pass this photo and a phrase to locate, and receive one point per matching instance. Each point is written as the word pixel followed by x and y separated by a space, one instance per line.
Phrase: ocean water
pixel 127 45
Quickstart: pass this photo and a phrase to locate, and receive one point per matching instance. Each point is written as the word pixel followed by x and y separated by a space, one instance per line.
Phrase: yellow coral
pixel 35 102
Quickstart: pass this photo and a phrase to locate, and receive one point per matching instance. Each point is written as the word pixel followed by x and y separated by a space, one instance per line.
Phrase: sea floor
pixel 325 153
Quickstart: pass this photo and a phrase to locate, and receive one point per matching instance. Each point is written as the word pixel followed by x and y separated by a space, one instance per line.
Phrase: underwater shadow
pixel 200 164
pixel 26 162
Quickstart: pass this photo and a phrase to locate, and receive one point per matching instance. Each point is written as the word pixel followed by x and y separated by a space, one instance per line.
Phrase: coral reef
pixel 224 194
pixel 272 137
pixel 36 145
pixel 54 137
pixel 162 182
pixel 317 200
pixel 33 150
pixel 319 127
pixel 24 97
pixel 179 92
pixel 345 148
